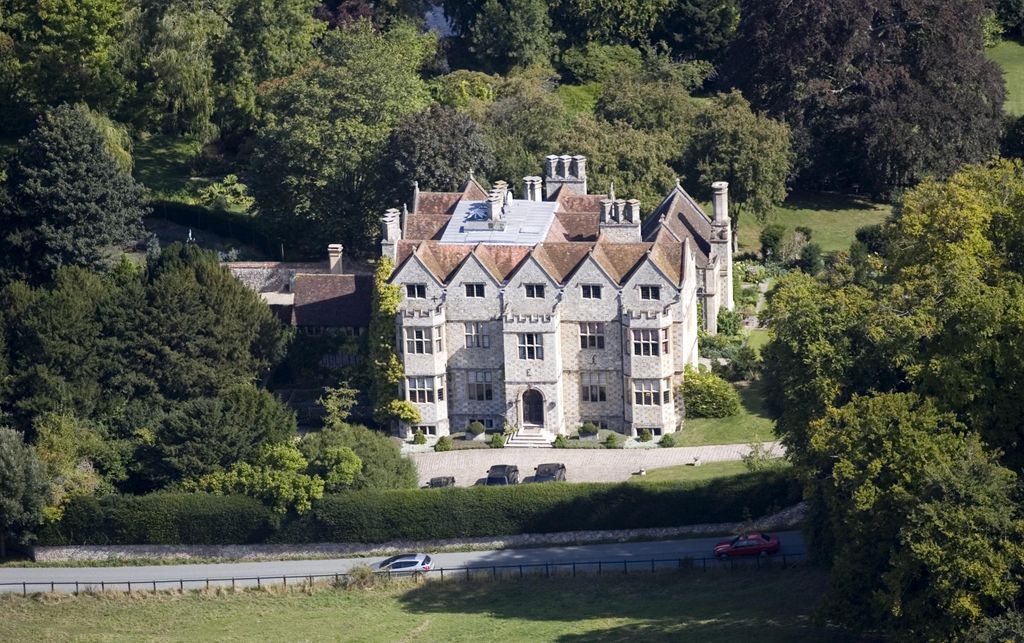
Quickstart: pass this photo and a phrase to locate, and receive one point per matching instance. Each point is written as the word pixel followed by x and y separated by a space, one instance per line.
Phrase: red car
pixel 753 544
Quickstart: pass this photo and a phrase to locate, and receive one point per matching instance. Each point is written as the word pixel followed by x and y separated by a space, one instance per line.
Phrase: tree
pixel 382 464
pixel 211 434
pixel 869 87
pixel 66 449
pixel 810 259
pixel 698 28
pixel 608 21
pixel 752 152
pixel 277 478
pixel 326 126
pixel 708 395
pixel 436 148
pixel 23 489
pixel 68 198
pixel 511 35
pixel 62 51
pixel 903 483
pixel 771 241
pixel 338 466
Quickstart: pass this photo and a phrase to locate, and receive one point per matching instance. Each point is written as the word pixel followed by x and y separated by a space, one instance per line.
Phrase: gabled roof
pixel 559 260
pixel 501 261
pixel 425 226
pixel 683 217
pixel 436 203
pixel 332 300
pixel 578 226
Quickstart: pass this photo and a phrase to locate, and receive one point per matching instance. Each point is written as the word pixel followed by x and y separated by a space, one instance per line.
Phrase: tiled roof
pixel 619 259
pixel 501 260
pixel 332 300
pixel 437 202
pixel 425 226
pixel 578 226
pixel 684 218
pixel 560 259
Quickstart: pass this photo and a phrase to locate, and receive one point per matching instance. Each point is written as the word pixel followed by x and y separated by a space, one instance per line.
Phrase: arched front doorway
pixel 533 408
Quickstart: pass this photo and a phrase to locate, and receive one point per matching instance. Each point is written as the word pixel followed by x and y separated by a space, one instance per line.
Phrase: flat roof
pixel 527 223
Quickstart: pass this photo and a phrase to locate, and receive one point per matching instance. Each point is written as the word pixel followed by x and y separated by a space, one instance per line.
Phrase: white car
pixel 404 564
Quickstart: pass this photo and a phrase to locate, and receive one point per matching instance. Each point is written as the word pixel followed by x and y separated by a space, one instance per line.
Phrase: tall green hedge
pixel 426 514
pixel 162 518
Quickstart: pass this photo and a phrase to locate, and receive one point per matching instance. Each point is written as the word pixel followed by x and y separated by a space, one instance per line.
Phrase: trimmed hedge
pixel 243 227
pixel 163 518
pixel 426 514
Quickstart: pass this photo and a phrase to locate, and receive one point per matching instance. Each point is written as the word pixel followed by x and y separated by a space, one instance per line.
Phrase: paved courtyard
pixel 582 465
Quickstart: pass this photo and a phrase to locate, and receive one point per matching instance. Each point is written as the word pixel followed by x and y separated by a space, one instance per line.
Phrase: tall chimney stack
pixel 334 258
pixel 720 201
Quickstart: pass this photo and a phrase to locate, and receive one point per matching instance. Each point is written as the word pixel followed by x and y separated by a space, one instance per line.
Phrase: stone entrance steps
pixel 530 439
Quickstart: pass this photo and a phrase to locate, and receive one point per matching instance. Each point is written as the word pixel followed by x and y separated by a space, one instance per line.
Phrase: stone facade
pixel 555 309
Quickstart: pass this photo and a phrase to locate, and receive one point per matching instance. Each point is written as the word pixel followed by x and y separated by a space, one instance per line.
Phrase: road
pixel 38 579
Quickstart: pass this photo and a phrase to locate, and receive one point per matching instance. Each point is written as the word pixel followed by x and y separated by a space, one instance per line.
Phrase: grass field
pixel 687 473
pixel 580 98
pixel 721 607
pixel 1009 54
pixel 832 218
pixel 163 164
pixel 751 424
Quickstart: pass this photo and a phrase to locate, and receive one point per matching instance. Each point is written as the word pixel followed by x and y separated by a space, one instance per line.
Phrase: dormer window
pixel 416 291
pixel 474 290
pixel 535 291
pixel 651 293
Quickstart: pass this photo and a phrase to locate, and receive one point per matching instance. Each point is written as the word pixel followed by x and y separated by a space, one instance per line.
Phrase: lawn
pixel 580 98
pixel 1009 54
pixel 832 218
pixel 751 424
pixel 757 338
pixel 686 473
pixel 163 164
pixel 714 607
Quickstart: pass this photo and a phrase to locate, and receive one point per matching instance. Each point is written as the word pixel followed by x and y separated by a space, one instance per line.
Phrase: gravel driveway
pixel 582 465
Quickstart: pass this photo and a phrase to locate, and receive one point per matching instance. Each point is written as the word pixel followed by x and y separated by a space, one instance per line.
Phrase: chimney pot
pixel 334 255
pixel 720 201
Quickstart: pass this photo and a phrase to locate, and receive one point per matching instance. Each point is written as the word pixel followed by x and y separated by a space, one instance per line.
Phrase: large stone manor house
pixel 554 307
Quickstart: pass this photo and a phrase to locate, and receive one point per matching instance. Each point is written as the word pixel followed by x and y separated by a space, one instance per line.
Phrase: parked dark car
pixel 550 472
pixel 752 544
pixel 441 481
pixel 502 474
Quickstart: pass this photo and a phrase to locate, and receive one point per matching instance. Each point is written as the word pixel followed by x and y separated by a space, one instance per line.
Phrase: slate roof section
pixel 335 301
pixel 683 218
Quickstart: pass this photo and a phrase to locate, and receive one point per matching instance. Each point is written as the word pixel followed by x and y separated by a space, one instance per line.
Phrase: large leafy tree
pixel 69 200
pixel 752 152
pixel 325 129
pixel 870 87
pixel 927 529
pixel 436 148
pixel 59 51
pixel 511 35
pixel 23 489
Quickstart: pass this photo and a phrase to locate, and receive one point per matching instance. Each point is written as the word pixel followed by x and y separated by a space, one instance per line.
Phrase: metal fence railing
pixel 568 568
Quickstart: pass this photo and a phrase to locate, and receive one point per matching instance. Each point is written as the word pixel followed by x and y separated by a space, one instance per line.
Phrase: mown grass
pixel 757 338
pixel 164 165
pixel 713 607
pixel 1009 54
pixel 687 472
pixel 751 424
pixel 832 218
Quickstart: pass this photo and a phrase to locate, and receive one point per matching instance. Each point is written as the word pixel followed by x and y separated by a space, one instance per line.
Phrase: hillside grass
pixel 832 218
pixel 751 424
pixel 713 607
pixel 1009 54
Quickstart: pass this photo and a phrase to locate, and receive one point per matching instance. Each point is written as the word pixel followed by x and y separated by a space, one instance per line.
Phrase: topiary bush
pixel 561 442
pixel 418 437
pixel 614 441
pixel 475 428
pixel 588 430
pixel 497 441
pixel 667 441
pixel 709 396
pixel 645 436
pixel 444 443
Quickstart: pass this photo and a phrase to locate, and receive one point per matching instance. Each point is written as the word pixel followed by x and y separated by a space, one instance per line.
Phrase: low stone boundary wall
pixel 781 520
